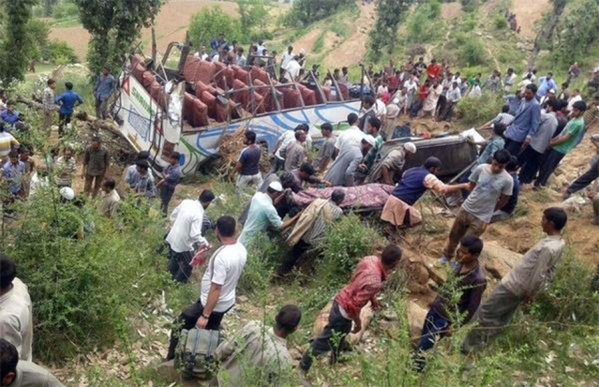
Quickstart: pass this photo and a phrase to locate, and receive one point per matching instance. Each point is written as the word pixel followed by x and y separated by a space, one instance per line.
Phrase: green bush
pixel 500 22
pixel 60 53
pixel 569 296
pixel 83 290
pixel 473 53
pixel 65 9
pixel 421 26
pixel 304 12
pixel 347 241
pixel 264 257
pixel 477 111
pixel 209 24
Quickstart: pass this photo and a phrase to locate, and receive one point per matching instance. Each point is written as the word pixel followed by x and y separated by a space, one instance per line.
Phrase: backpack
pixel 195 354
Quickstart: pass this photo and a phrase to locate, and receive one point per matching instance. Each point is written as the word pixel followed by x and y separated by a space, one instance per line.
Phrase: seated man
pixel 260 348
pixel 311 227
pixel 507 211
pixel 17 373
pixel 471 284
pixel 415 181
pixel 11 119
pixel 386 171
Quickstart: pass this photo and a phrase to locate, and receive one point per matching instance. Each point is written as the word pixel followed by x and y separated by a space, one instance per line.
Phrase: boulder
pixel 497 260
pixel 354 338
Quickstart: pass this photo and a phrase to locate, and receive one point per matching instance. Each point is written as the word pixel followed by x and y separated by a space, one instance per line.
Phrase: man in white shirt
pixel 350 137
pixel 218 284
pixel 16 325
pixel 573 99
pixel 185 236
pixel 292 70
pixel 21 373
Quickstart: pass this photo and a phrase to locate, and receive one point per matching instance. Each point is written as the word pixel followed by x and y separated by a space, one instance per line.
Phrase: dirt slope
pixel 528 13
pixel 171 25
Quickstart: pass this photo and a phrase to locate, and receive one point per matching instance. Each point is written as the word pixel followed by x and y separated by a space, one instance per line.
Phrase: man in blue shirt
pixel 13 172
pixel 545 84
pixel 103 89
pixel 67 101
pixel 526 122
pixel 9 118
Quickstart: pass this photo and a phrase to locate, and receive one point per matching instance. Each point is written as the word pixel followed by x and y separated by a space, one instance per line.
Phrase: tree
pixel 14 56
pixel 114 26
pixel 389 14
pixel 211 23
pixel 305 12
pixel 577 33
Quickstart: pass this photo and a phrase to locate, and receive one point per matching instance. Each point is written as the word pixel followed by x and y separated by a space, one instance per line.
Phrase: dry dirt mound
pixel 528 13
pixel 450 11
pixel 171 25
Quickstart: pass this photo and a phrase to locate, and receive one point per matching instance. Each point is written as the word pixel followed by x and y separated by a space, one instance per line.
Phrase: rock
pixel 242 299
pixel 323 318
pixel 497 260
pixel 167 370
pixel 416 316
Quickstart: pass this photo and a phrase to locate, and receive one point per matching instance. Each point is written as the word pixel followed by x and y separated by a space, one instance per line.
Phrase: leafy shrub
pixel 421 27
pixel 65 9
pixel 476 111
pixel 304 12
pixel 209 24
pixel 500 22
pixel 83 289
pixel 347 241
pixel 473 53
pixel 60 53
pixel 568 297
pixel 264 256
pixel 469 5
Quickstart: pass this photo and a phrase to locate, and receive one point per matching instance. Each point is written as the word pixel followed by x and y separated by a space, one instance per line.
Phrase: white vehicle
pixel 190 108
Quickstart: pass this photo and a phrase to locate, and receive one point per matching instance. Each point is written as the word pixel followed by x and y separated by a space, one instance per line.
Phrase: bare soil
pixel 528 13
pixel 171 25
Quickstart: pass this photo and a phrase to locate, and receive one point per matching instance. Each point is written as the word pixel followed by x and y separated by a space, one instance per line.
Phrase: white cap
pixel 369 139
pixel 552 91
pixel 67 193
pixel 410 147
pixel 276 186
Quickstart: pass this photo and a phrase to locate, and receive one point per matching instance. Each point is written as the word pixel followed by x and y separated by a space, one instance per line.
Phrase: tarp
pixel 368 196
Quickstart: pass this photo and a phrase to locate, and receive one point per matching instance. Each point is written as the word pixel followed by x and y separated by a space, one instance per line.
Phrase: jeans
pixel 552 160
pixel 63 120
pixel 166 195
pixel 179 265
pixel 333 335
pixel 188 320
pixel 530 160
pixel 435 327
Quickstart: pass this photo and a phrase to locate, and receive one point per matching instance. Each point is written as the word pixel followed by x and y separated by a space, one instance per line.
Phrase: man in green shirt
pixel 563 144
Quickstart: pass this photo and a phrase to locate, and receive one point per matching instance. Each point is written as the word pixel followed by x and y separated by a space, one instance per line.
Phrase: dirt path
pixel 528 13
pixel 171 25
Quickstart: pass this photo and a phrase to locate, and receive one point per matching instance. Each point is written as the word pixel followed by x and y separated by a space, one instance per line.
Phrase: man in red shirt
pixel 365 284
pixel 434 70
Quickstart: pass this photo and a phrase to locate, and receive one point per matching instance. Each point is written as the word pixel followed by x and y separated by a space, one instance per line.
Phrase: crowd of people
pixel 538 126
